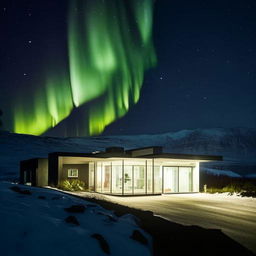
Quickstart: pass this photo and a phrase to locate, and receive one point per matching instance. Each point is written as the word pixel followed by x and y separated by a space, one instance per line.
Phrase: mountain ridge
pixel 236 145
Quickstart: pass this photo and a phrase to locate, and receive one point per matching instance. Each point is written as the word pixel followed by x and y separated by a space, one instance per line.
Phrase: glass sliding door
pixel 117 171
pixel 185 179
pixel 128 179
pixel 98 176
pixel 139 179
pixel 106 176
pixel 170 179
pixel 149 177
pixel 157 179
pixel 91 176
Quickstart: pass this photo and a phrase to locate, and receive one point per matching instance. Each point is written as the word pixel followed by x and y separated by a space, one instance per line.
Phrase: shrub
pixel 249 187
pixel 73 185
pixel 233 188
pixel 243 189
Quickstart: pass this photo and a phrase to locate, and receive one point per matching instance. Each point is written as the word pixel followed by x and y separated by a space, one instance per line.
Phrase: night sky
pixel 205 74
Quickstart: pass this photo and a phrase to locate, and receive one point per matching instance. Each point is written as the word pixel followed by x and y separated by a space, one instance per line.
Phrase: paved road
pixel 235 216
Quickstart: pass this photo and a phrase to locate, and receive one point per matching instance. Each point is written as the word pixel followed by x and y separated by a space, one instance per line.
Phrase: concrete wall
pixel 83 173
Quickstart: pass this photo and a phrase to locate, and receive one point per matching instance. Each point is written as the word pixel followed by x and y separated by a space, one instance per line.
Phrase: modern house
pixel 117 171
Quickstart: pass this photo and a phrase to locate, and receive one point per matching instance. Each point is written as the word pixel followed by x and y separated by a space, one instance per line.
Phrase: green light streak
pixel 48 106
pixel 109 48
pixel 118 50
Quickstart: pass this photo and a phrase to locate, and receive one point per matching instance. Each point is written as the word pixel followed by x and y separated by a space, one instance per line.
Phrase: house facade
pixel 119 172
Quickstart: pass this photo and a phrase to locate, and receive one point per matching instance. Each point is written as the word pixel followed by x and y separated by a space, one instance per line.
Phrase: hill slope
pixel 238 146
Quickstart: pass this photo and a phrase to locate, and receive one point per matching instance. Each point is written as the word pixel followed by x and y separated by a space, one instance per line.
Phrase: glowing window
pixel 72 173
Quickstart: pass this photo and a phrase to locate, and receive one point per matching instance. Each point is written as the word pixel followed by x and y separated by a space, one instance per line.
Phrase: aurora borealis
pixel 109 46
pixel 85 67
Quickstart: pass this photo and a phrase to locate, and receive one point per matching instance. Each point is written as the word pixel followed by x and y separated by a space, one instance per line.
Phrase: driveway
pixel 235 216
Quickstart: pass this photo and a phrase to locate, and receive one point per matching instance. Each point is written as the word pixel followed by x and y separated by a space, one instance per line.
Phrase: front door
pixel 170 179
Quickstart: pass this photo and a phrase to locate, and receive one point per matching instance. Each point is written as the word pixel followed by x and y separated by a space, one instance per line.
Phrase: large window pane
pixel 157 179
pixel 98 177
pixel 139 179
pixel 170 179
pixel 91 176
pixel 128 179
pixel 106 175
pixel 185 179
pixel 149 177
pixel 117 177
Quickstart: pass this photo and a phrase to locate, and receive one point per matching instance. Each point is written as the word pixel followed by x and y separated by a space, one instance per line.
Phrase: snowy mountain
pixel 238 146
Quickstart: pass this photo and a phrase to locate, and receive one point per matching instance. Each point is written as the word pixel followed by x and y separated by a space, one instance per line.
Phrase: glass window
pixel 72 173
pixel 185 179
pixel 128 179
pixel 149 177
pixel 98 176
pixel 91 176
pixel 139 179
pixel 170 179
pixel 157 179
pixel 117 171
pixel 106 174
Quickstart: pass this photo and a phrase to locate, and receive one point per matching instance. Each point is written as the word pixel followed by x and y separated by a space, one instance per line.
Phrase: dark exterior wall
pixel 42 173
pixel 29 166
pixel 83 173
pixel 53 169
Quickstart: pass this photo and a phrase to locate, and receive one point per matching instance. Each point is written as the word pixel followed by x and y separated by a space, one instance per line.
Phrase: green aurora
pixel 109 48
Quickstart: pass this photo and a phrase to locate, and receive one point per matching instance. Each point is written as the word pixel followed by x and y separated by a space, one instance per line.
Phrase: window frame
pixel 70 171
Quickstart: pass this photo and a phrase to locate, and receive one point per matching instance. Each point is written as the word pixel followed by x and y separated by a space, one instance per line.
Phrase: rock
pixel 139 237
pixel 19 190
pixel 26 192
pixel 79 208
pixel 103 243
pixel 72 220
pixel 41 197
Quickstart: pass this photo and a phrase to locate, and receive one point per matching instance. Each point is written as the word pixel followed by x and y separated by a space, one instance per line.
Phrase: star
pixel 204 98
pixel 161 78
pixel 29 41
pixel 24 74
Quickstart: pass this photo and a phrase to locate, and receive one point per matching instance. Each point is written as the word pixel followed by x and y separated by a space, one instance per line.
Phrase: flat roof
pixel 73 154
pixel 184 156
pixel 125 155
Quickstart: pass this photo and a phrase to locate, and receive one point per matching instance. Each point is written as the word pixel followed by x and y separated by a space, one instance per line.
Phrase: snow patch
pixel 35 225
pixel 221 172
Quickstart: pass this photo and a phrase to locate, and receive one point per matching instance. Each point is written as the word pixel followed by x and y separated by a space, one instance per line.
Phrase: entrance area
pixel 177 179
pixel 170 179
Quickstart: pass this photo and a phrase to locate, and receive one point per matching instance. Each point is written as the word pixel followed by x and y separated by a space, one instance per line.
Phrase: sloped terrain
pixel 39 222
pixel 238 146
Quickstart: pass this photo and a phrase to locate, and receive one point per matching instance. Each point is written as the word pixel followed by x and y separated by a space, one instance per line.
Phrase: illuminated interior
pixel 140 176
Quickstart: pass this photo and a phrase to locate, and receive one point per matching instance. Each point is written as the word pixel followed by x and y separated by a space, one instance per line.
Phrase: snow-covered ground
pixel 221 172
pixel 35 225
pixel 234 215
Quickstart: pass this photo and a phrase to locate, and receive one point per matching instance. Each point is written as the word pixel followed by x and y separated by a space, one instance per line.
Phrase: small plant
pixel 73 185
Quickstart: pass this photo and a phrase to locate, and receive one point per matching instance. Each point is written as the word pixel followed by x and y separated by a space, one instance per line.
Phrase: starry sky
pixel 205 74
